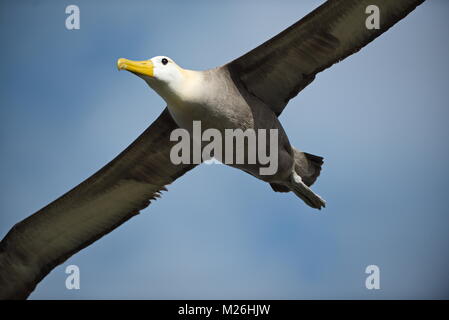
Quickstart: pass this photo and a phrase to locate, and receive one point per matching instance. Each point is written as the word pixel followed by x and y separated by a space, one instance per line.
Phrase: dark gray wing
pixel 114 194
pixel 280 68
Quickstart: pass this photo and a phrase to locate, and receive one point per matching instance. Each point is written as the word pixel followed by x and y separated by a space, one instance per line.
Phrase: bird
pixel 218 102
pixel 249 92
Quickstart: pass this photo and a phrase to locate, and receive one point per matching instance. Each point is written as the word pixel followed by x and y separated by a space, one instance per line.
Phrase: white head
pixel 161 73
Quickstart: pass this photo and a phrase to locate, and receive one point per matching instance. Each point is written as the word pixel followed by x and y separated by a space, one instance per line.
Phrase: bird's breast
pixel 214 105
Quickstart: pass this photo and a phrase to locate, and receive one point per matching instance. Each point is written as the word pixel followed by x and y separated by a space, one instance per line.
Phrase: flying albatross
pixel 249 92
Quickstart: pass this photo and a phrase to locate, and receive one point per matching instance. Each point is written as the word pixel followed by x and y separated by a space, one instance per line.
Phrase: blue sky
pixel 379 119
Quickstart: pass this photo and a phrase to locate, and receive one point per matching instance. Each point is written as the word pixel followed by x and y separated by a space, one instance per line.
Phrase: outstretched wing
pixel 280 68
pixel 117 192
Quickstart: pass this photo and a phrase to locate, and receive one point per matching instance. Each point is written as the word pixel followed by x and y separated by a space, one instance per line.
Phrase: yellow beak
pixel 139 67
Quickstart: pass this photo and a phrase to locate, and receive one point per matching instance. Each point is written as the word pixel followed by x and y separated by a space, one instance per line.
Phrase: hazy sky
pixel 379 119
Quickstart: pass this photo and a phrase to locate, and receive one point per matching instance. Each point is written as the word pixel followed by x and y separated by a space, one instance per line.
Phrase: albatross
pixel 250 92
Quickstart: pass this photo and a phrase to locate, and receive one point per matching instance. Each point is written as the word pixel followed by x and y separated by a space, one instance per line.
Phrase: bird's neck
pixel 185 89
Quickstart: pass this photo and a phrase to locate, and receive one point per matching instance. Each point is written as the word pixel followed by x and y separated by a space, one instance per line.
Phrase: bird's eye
pixel 164 61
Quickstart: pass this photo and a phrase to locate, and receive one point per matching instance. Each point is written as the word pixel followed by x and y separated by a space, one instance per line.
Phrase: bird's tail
pixel 307 166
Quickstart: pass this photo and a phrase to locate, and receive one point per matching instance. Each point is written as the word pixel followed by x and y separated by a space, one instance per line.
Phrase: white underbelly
pixel 209 116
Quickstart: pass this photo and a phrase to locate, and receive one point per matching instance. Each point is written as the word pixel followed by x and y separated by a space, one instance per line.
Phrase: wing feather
pixel 280 68
pixel 117 192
